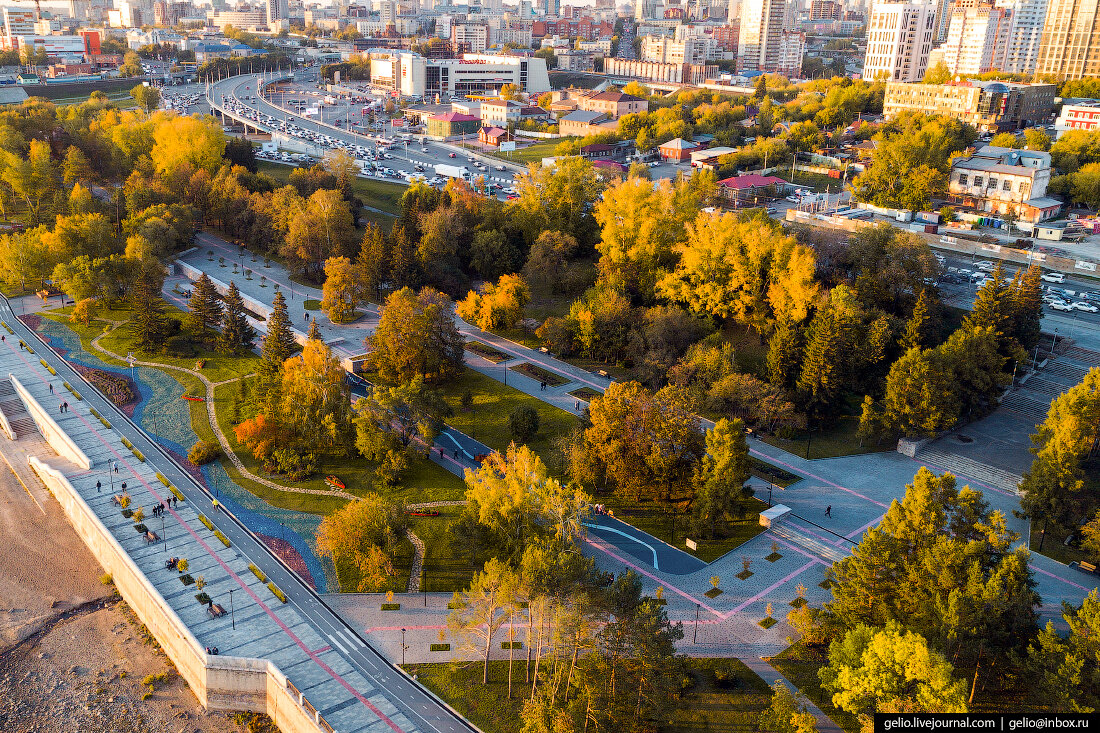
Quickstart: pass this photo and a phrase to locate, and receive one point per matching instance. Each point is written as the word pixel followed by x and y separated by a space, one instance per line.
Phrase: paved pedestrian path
pixel 258 623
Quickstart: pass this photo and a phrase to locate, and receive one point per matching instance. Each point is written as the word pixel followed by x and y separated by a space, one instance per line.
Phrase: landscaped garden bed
pixel 116 387
pixel 586 393
pixel 539 374
pixel 487 352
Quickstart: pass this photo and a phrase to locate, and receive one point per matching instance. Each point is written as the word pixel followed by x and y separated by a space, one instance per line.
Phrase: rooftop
pixel 751 180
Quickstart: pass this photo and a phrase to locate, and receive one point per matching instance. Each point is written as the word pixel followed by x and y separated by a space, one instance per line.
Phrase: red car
pixel 451 155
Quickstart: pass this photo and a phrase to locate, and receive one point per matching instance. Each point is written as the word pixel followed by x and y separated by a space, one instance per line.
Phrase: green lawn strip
pixel 1054 545
pixel 218 367
pixel 487 420
pixel 799 664
pixel 377 194
pixel 552 379
pixel 532 153
pixel 838 439
pixel 774 474
pixel 444 570
pixel 424 480
pixel 668 524
pixel 731 704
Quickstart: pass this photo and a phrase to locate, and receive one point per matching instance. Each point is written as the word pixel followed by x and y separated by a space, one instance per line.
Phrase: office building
pixel 1028 19
pixel 977 37
pixel 943 18
pixel 652 71
pixel 645 9
pixel 668 51
pixel 1070 47
pixel 990 106
pixel 1078 114
pixel 760 34
pixel 899 38
pixel 18 22
pixel 469 37
pixel 412 75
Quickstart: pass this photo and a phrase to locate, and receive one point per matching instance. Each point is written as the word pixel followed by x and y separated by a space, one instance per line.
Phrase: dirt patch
pixel 86 672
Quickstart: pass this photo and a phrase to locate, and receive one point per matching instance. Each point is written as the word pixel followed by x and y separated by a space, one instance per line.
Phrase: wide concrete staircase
pixel 969 469
pixel 16 413
pixel 799 532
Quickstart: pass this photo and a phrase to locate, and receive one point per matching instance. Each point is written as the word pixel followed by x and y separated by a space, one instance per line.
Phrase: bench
pixel 151 536
pixel 215 610
pixel 1088 567
pixel 603 373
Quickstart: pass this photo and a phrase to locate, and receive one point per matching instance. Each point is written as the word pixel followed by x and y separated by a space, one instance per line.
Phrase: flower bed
pixel 117 388
pixel 552 379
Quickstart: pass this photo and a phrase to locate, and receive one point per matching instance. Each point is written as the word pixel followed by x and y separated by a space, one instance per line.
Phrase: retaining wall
pixel 220 683
pixel 58 439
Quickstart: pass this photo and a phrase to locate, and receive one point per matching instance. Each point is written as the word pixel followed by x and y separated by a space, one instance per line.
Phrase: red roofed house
pixel 678 150
pixel 452 124
pixel 609 168
pixel 494 136
pixel 752 189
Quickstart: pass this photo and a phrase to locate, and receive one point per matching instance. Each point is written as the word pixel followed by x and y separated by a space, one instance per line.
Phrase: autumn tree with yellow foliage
pixel 496 306
pixel 362 538
pixel 343 290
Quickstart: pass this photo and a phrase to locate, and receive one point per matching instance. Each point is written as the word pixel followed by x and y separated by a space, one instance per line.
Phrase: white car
pixel 984 266
pixel 1084 307
pixel 1061 305
pixel 654 164
pixel 1053 277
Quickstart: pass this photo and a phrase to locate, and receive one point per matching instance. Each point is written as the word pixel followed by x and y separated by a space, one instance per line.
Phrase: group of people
pixel 172 563
pixel 212 650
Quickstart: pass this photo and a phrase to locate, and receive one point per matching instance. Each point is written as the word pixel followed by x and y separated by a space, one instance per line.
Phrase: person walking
pixel 829 511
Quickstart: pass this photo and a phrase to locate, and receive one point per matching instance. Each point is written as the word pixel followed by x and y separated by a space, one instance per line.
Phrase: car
pixel 501 168
pixel 450 155
pixel 793 199
pixel 654 164
pixel 423 150
pixel 1084 307
pixel 1053 277
pixel 1061 305
pixel 984 266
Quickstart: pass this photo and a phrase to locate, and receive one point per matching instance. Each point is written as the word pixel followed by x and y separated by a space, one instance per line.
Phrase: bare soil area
pixel 73 657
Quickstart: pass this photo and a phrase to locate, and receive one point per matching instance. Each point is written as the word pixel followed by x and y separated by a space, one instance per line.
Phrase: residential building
pixel 645 9
pixel 899 38
pixel 726 37
pixel 677 150
pixel 760 34
pixel 18 22
pixel 1070 48
pixel 653 71
pixel 1078 114
pixel 792 49
pixel 1028 19
pixel 470 37
pixel 825 10
pixel 977 37
pixel 452 124
pixel 943 18
pixel 1004 181
pixel 613 104
pixel 412 75
pixel 500 112
pixel 991 106
pixel 278 13
pixel 494 136
pixel 582 123
pixel 575 60
pixel 663 50
pixel 244 19
pixel 751 190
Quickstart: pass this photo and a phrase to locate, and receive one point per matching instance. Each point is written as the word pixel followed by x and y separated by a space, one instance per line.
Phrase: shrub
pixel 440 647
pixel 106 579
pixel 257 572
pixel 203 452
pixel 292 464
pixel 278 593
pixel 138 454
pixel 178 494
pixel 206 522
pixel 162 478
pixel 127 443
pixel 115 387
pixel 182 565
pixel 222 537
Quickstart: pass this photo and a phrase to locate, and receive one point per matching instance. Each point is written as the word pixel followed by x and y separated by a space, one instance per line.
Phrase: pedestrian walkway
pixel 258 624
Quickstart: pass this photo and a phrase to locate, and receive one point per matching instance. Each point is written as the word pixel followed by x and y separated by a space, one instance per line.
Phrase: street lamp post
pixel 695 636
pixel 232 615
pixel 403 647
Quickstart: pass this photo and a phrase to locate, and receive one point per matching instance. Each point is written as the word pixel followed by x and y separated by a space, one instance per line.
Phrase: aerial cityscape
pixel 504 366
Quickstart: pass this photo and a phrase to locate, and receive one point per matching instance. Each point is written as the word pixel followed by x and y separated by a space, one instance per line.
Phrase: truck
pixel 453 171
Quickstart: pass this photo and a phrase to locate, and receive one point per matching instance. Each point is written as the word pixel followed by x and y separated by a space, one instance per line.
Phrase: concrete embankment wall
pixel 220 683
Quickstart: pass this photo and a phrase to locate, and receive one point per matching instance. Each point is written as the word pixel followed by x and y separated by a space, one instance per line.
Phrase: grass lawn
pixel 532 153
pixel 799 664
pixel 839 439
pixel 424 480
pixel 487 420
pixel 669 524
pixel 443 570
pixel 709 706
pixel 1054 545
pixel 376 194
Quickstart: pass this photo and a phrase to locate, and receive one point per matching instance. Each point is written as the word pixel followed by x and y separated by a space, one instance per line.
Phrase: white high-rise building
pixel 1028 18
pixel 645 9
pixel 943 19
pixel 761 33
pixel 977 38
pixel 18 22
pixel 278 12
pixel 899 38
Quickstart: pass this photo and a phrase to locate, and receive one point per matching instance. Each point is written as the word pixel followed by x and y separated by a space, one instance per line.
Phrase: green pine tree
pixel 278 345
pixel 916 330
pixel 237 335
pixel 784 354
pixel 1027 306
pixel 991 308
pixel 823 365
pixel 150 323
pixel 205 315
pixel 721 475
pixel 374 260
pixel 314 330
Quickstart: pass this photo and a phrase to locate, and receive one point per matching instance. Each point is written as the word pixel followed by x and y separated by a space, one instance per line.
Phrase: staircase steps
pixel 790 530
pixel 1027 406
pixel 969 469
pixel 14 410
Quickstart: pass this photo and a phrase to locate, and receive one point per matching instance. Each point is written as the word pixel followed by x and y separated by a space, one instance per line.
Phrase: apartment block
pixel 990 106
pixel 899 39
pixel 977 37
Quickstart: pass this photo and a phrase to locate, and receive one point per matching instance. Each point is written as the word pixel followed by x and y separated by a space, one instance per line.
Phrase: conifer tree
pixel 278 343
pixel 916 330
pixel 150 323
pixel 374 260
pixel 237 335
pixel 784 353
pixel 206 308
pixel 314 330
pixel 1027 306
pixel 823 364
pixel 721 475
